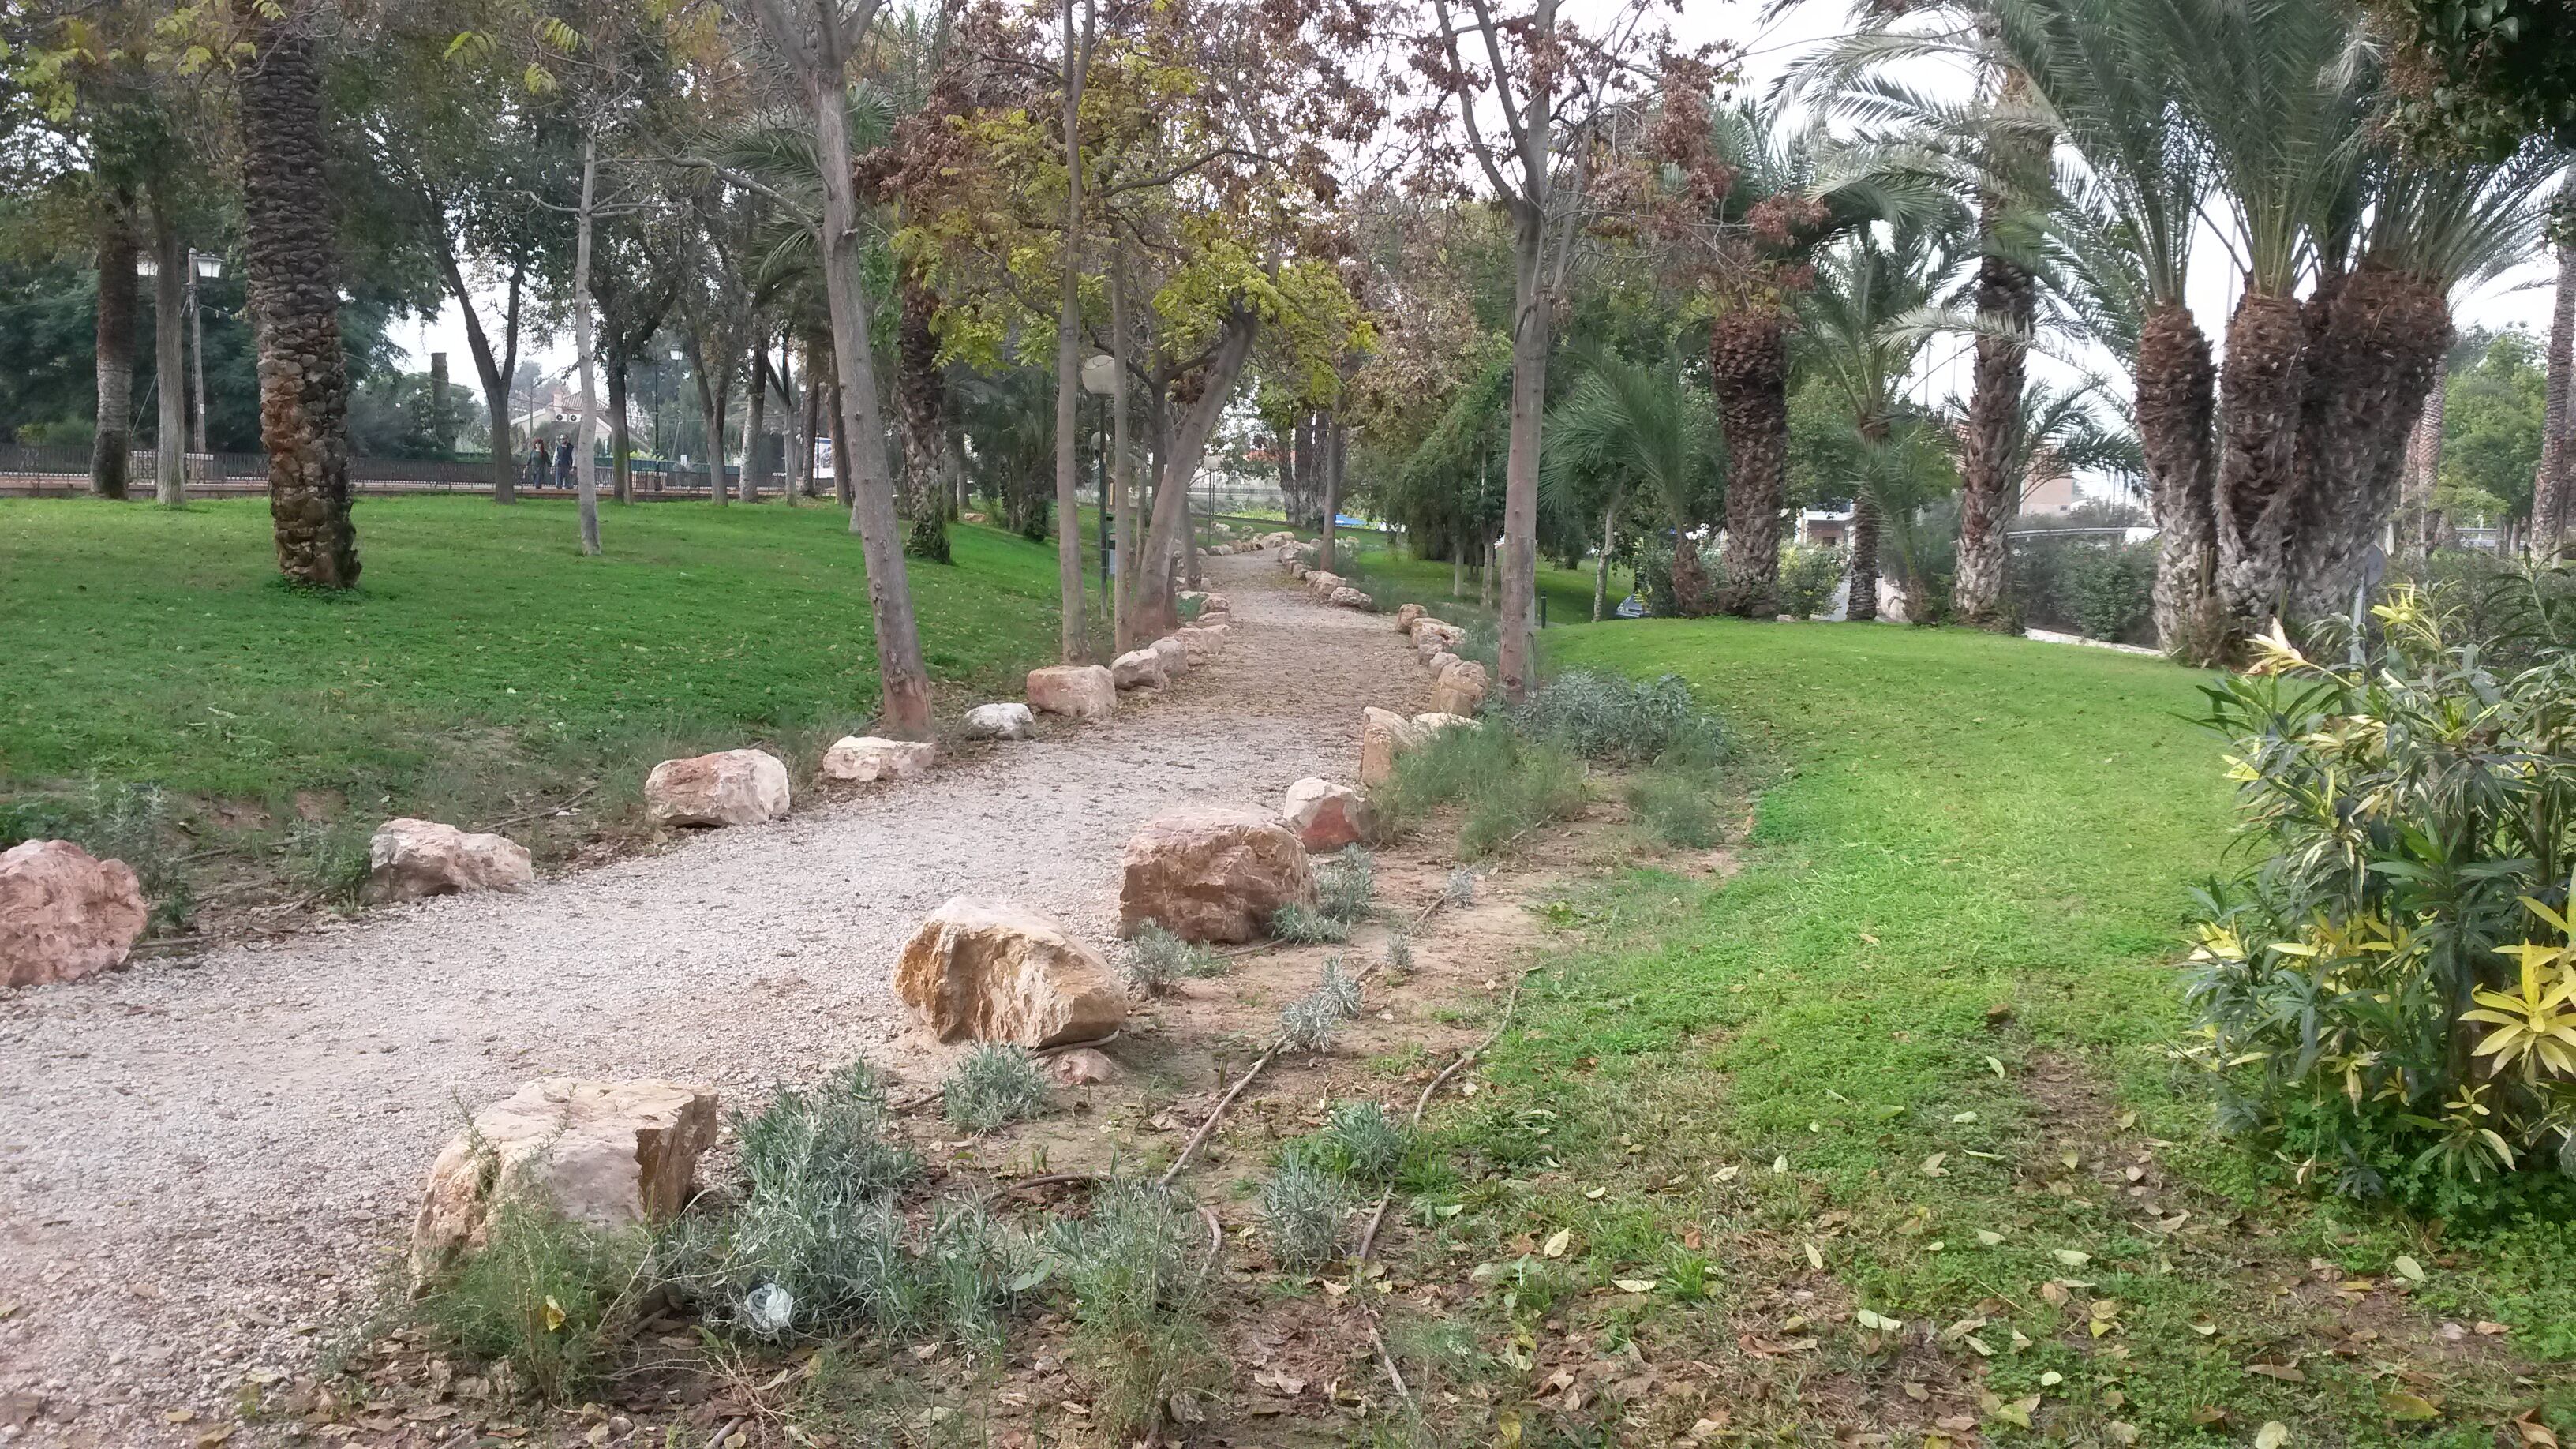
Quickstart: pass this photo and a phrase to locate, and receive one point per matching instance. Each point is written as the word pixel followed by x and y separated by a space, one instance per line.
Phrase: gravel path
pixel 207 1166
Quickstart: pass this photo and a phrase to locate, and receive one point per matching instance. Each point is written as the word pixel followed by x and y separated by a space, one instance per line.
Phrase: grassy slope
pixel 148 645
pixel 1426 581
pixel 1953 934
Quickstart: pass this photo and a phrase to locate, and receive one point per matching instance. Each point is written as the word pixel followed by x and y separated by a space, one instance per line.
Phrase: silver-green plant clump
pixel 1306 1213
pixel 992 1086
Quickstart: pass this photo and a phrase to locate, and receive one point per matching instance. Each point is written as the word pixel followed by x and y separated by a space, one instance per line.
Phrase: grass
pixel 1392 578
pixel 481 656
pixel 1912 1063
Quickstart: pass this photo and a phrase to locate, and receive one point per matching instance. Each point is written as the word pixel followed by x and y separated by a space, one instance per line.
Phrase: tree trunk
pixel 288 261
pixel 2424 531
pixel 1748 352
pixel 2262 385
pixel 1335 438
pixel 1122 466
pixel 111 453
pixel 820 62
pixel 2176 383
pixel 799 458
pixel 1155 614
pixel 1860 605
pixel 1987 493
pixel 1533 330
pixel 1601 572
pixel 755 417
pixel 585 340
pixel 2551 485
pixel 714 392
pixel 169 358
pixel 1073 641
pixel 921 418
pixel 620 445
pixel 493 373
pixel 2368 367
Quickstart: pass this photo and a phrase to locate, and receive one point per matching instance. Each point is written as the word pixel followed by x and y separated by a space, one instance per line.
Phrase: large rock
pixel 1325 816
pixel 1347 597
pixel 1175 654
pixel 1430 637
pixel 1082 691
pixel 1202 644
pixel 1000 722
pixel 869 758
pixel 1439 663
pixel 610 1154
pixel 730 787
pixel 408 859
pixel 1460 689
pixel 1219 620
pixel 1211 874
pixel 1208 603
pixel 1404 618
pixel 1322 582
pixel 1384 735
pixel 986 971
pixel 64 913
pixel 1139 669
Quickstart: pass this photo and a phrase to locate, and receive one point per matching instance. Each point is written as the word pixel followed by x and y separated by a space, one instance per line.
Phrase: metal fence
pixel 41 472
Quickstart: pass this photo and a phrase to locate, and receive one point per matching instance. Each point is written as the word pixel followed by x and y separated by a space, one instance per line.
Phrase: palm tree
pixel 2550 485
pixel 1638 429
pixel 1865 323
pixel 293 281
pixel 1789 195
pixel 2422 529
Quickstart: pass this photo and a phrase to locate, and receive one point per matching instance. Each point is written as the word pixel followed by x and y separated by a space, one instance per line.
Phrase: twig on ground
pixel 1213 1117
pixel 584 793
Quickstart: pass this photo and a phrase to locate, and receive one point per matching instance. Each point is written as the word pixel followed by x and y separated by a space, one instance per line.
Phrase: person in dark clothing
pixel 536 462
pixel 563 462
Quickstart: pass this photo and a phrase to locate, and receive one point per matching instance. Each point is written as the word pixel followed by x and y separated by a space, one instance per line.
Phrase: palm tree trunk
pixel 921 415
pixel 169 357
pixel 1748 353
pixel 1860 606
pixel 2176 390
pixel 288 260
pixel 1988 488
pixel 2424 531
pixel 2369 366
pixel 2261 387
pixel 2550 485
pixel 111 453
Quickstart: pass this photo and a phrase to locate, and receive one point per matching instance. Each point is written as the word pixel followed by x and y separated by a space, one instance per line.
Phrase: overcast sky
pixel 1769 48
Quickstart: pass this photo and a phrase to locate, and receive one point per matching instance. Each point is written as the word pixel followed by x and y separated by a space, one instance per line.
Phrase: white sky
pixel 1769 48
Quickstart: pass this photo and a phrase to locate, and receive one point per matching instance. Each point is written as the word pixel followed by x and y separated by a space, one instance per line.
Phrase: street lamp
pixel 210 267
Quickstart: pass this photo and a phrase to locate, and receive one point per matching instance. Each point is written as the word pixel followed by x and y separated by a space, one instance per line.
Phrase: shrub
pixel 2392 987
pixel 1363 1143
pixel 1508 784
pixel 1311 1020
pixel 1137 1291
pixel 1399 953
pixel 2110 590
pixel 1305 1213
pixel 112 820
pixel 545 1296
pixel 993 1085
pixel 1156 959
pixel 1809 574
pixel 329 858
pixel 1300 924
pixel 1344 885
pixel 1620 721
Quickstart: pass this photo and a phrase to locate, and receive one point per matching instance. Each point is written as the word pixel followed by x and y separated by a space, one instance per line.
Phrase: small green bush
pixel 2110 590
pixel 1306 1214
pixel 993 1085
pixel 1675 807
pixel 545 1296
pixel 1156 959
pixel 1135 1269
pixel 1545 785
pixel 1300 924
pixel 1345 884
pixel 1311 1020
pixel 1507 784
pixel 1362 1142
pixel 1617 720
pixel 1809 574
pixel 329 858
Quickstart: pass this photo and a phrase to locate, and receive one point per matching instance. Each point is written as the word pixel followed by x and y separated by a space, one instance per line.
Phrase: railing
pixel 42 472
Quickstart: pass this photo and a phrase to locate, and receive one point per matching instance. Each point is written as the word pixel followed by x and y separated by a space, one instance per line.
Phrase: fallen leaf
pixel 2051 1379
pixel 2535 1434
pixel 1963 1118
pixel 2272 1435
pixel 1815 1258
pixel 2409 1408
pixel 1932 1165
pixel 1998 1066
pixel 2208 1414
pixel 1879 1322
pixel 2073 1257
pixel 1988 1238
pixel 2281 1371
pixel 1633 1285
pixel 2408 1269
pixel 1780 1163
pixel 1556 1243
pixel 1595 1193
pixel 2121 1433
pixel 554 1314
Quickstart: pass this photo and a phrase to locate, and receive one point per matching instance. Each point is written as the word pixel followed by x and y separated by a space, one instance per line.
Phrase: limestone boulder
pixel 408 859
pixel 1139 669
pixel 1010 721
pixel 1322 582
pixel 1218 620
pixel 1385 735
pixel 1078 691
pixel 1404 618
pixel 867 759
pixel 1202 645
pixel 1175 655
pixel 610 1154
pixel 729 787
pixel 1324 814
pixel 1208 603
pixel 65 913
pixel 1211 874
pixel 1459 689
pixel 989 971
pixel 1347 597
pixel 1081 1067
pixel 1439 663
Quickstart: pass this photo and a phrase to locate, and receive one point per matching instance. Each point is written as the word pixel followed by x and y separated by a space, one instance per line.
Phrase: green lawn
pixel 1426 581
pixel 1913 1061
pixel 480 654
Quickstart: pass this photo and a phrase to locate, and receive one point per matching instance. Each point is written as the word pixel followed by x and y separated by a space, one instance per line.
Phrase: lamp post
pixel 210 267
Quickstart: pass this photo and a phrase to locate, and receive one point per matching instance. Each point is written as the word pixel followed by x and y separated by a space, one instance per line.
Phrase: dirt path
pixel 206 1166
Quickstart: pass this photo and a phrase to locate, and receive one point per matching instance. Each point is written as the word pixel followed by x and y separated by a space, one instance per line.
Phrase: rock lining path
pixel 208 1166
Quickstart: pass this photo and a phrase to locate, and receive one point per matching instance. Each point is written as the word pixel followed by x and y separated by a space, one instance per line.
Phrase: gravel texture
pixel 208 1166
